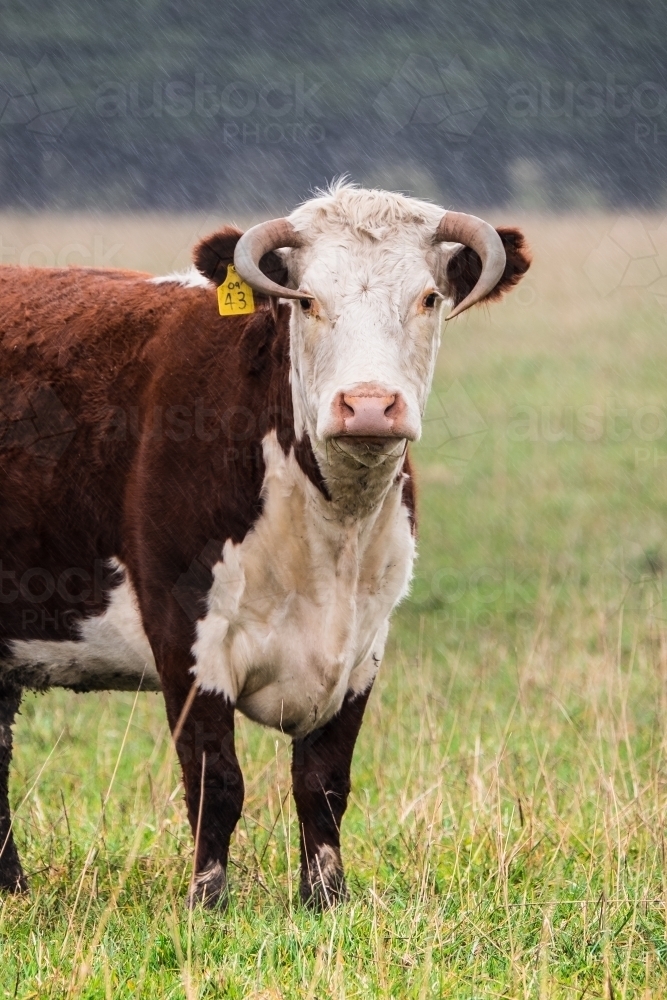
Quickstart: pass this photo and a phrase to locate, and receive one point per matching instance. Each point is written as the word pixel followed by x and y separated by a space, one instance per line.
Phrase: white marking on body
pixel 298 612
pixel 113 649
pixel 191 278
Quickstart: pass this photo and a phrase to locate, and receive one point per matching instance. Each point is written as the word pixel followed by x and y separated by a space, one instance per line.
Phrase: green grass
pixel 506 833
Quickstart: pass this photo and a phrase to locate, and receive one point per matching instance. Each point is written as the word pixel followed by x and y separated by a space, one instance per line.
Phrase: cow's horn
pixel 254 244
pixel 457 227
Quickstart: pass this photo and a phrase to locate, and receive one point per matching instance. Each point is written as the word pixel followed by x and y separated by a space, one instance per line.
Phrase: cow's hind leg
pixel 203 725
pixel 11 873
pixel 321 781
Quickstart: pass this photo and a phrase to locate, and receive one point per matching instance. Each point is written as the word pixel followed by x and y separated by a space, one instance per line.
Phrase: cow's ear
pixel 216 252
pixel 465 267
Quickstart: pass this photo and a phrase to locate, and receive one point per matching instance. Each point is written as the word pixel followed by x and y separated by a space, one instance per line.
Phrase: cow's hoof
pixel 323 882
pixel 209 887
pixel 13 881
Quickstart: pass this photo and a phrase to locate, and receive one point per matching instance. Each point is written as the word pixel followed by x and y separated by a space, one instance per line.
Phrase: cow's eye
pixel 305 304
pixel 429 300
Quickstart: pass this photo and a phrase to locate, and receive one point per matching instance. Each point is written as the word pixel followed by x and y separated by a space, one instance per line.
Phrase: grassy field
pixel 506 833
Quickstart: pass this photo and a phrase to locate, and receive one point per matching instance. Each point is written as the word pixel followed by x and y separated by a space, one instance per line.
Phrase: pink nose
pixel 370 411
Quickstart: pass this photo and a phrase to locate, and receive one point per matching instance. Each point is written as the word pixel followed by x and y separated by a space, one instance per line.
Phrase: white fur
pixel 298 612
pixel 192 278
pixel 369 260
pixel 113 651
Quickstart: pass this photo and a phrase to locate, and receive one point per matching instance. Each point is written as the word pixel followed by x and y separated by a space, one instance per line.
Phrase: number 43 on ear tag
pixel 234 295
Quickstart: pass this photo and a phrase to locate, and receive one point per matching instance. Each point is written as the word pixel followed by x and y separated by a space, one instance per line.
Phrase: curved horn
pixel 254 244
pixel 457 227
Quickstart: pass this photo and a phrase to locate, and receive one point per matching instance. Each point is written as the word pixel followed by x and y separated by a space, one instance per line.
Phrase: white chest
pixel 298 612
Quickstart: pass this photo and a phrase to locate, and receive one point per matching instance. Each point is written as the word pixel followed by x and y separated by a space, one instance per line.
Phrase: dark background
pixel 179 105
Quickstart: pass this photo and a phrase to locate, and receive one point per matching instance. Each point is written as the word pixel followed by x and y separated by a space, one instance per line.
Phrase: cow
pixel 206 489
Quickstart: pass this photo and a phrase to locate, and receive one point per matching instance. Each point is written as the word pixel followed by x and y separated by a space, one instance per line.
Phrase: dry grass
pixel 506 832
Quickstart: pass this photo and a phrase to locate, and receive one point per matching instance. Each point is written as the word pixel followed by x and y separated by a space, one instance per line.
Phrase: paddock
pixel 508 807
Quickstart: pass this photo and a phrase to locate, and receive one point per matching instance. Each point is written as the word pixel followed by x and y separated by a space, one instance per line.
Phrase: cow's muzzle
pixel 371 415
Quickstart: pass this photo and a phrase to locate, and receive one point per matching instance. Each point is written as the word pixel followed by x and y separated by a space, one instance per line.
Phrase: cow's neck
pixel 357 487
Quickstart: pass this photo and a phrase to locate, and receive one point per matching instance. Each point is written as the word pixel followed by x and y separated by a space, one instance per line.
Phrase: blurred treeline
pixel 176 104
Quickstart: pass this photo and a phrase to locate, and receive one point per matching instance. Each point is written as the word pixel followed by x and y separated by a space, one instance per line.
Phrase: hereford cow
pixel 208 492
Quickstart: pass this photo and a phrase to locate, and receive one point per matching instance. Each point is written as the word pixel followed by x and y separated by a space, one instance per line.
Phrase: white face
pixel 363 351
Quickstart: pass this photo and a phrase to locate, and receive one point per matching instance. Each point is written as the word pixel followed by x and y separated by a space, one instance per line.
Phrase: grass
pixel 506 833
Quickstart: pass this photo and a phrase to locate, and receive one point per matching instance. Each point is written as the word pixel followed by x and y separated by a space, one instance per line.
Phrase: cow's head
pixel 369 275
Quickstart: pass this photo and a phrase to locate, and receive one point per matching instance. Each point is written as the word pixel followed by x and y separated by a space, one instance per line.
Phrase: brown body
pixel 132 417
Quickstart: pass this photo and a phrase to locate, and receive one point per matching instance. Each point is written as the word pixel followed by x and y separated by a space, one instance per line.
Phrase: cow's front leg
pixel 321 780
pixel 203 725
pixel 11 873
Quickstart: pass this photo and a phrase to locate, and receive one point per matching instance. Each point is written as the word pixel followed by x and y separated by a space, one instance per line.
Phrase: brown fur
pixel 167 403
pixel 216 252
pixel 465 267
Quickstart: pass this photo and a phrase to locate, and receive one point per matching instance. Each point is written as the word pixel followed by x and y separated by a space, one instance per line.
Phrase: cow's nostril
pixel 390 408
pixel 346 406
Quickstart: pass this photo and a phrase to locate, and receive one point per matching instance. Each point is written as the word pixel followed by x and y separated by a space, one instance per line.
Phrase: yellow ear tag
pixel 234 295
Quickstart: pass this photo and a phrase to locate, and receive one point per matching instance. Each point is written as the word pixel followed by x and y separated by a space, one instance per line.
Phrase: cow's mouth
pixel 369 451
